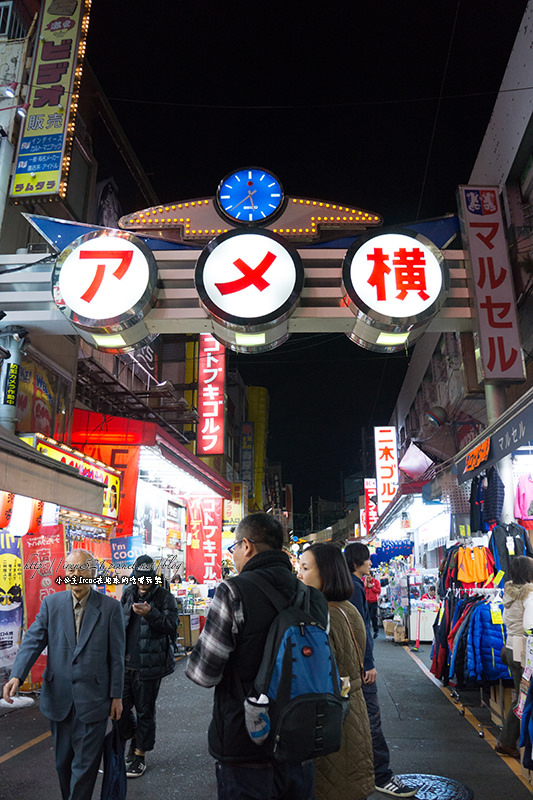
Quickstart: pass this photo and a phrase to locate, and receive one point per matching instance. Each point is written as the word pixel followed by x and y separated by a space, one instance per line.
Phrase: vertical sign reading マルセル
pixel 484 235
pixel 43 157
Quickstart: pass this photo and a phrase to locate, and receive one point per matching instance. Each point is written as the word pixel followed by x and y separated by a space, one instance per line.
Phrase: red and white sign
pixel 211 374
pixel 371 508
pixel 386 466
pixel 501 349
pixel 204 538
pixel 105 279
pixel 249 278
pixel 396 275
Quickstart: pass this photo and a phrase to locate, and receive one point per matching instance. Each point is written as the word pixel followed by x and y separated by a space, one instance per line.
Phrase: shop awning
pixel 512 430
pixel 25 471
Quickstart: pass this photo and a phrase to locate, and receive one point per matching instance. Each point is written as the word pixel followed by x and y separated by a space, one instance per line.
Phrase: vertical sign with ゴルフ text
pixel 204 537
pixel 43 157
pixel 211 374
pixel 386 466
pixel 484 236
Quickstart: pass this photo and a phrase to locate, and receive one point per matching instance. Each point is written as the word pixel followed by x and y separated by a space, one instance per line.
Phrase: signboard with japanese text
pixel 397 278
pixel 484 237
pixel 105 281
pixel 236 508
pixel 249 279
pixel 247 456
pixel 371 508
pixel 211 378
pixel 10 601
pixel 43 557
pixel 43 157
pixel 386 466
pixel 204 537
pixel 86 468
pixel 125 550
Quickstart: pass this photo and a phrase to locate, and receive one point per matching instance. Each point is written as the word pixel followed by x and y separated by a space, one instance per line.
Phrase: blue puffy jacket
pixel 484 645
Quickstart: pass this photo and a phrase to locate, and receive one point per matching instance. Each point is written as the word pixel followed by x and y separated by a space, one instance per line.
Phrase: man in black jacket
pixel 228 655
pixel 151 619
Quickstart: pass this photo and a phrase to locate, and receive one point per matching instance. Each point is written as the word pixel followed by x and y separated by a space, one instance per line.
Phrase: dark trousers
pixel 141 696
pixel 373 611
pixel 511 726
pixel 78 750
pixel 382 770
pixel 276 781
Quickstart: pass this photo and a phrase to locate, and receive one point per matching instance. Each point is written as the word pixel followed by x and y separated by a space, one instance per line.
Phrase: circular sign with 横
pixel 394 283
pixel 105 284
pixel 249 282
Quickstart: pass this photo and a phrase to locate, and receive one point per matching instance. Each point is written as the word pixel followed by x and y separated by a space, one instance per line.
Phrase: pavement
pixel 428 733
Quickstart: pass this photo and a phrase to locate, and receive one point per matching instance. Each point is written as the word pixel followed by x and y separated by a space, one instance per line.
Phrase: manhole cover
pixel 435 787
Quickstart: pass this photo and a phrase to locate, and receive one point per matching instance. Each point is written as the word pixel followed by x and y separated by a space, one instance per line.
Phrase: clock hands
pixel 244 199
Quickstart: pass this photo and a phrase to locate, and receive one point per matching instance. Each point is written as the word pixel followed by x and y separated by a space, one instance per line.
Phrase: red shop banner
pixel 204 537
pixel 43 557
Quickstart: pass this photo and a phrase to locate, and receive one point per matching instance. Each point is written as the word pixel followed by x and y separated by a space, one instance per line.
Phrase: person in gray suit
pixel 84 676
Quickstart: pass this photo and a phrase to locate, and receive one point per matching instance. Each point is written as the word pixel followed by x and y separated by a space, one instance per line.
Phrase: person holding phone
pixel 151 620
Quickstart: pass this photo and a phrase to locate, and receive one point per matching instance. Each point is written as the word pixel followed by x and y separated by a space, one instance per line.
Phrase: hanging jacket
pixel 494 497
pixel 485 641
pixel 501 537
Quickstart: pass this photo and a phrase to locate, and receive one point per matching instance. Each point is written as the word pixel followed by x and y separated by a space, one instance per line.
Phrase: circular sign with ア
pixel 105 281
pixel 249 278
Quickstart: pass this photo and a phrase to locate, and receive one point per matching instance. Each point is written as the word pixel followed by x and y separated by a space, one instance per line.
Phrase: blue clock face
pixel 250 196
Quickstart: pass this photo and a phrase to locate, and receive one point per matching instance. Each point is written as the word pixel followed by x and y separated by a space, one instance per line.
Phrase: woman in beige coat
pixel 347 774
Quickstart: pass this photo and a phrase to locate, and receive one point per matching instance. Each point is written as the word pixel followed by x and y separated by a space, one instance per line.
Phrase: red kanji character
pixel 491 307
pixel 381 269
pixel 505 363
pixel 493 280
pixel 410 272
pixel 386 452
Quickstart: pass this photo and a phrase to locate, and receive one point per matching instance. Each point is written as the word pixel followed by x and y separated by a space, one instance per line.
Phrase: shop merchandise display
pixel 523 509
pixel 507 541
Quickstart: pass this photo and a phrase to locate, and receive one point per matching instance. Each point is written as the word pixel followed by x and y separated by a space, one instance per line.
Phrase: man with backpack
pixel 229 653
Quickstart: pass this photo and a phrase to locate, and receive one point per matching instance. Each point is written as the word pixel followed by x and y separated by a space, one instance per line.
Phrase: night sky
pixel 382 107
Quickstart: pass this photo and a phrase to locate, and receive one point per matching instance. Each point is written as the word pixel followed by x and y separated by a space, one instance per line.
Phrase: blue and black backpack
pixel 299 674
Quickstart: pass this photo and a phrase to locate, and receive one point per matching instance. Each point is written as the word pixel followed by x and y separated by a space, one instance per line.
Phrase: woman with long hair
pixel 347 774
pixel 517 618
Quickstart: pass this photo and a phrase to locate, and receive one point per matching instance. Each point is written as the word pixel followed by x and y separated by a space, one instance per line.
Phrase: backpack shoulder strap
pixel 279 601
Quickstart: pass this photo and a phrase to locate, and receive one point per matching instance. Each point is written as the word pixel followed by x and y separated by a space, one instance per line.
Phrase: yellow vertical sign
pixel 44 147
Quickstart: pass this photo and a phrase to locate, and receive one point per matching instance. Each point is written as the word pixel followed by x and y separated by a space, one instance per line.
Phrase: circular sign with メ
pixel 249 278
pixel 105 280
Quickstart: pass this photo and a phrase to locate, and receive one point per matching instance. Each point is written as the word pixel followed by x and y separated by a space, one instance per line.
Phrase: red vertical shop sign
pixel 386 466
pixel 371 508
pixel 211 373
pixel 204 537
pixel 43 557
pixel 499 336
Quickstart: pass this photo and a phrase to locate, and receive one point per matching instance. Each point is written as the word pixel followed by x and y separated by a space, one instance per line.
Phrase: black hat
pixel 144 567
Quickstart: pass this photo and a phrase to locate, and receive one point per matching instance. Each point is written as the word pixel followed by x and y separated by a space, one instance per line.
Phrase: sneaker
pixel 136 768
pixel 130 755
pixel 395 788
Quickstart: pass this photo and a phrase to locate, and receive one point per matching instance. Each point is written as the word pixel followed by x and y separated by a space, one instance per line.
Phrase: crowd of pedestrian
pixel 106 660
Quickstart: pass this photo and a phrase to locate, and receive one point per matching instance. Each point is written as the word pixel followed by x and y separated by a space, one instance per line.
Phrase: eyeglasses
pixel 232 547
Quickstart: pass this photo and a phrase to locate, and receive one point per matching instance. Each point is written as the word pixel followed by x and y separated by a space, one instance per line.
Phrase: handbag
pixel 114 782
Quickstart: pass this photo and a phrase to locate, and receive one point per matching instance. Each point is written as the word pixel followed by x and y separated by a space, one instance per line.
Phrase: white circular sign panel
pixel 104 279
pixel 396 275
pixel 248 278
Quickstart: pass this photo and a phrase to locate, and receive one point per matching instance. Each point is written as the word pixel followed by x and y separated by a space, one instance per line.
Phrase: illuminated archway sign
pixel 249 282
pixel 394 284
pixel 105 284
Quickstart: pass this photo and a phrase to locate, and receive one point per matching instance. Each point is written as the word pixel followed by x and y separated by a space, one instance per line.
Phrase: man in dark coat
pixel 82 683
pixel 151 620
pixel 228 655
